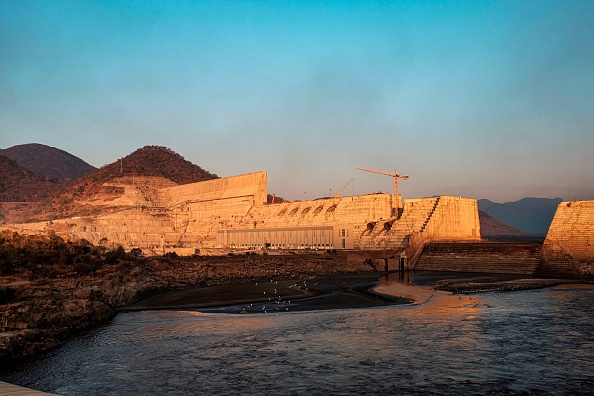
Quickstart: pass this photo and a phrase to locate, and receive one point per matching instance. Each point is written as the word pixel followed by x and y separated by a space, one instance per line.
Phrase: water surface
pixel 526 342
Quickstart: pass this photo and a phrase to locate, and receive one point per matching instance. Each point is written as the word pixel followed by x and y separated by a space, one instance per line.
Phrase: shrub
pixel 171 255
pixel 7 295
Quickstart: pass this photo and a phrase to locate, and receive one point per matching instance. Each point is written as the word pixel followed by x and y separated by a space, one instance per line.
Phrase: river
pixel 524 342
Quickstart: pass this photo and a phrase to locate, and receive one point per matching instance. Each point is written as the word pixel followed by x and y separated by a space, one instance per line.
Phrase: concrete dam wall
pixel 569 244
pixel 567 250
pixel 232 213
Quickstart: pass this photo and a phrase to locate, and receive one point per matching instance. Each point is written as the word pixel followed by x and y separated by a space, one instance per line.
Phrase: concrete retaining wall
pixel 569 244
pixel 485 257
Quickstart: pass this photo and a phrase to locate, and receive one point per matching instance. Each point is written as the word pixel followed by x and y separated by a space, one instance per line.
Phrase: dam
pixel 153 214
pixel 234 214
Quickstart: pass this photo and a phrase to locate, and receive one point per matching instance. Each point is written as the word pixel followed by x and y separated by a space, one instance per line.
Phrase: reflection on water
pixel 537 341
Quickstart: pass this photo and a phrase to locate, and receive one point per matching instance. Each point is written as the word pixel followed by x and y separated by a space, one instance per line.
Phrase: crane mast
pixel 345 186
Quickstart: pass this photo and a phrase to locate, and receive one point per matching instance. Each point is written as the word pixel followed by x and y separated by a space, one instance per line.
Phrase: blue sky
pixel 484 99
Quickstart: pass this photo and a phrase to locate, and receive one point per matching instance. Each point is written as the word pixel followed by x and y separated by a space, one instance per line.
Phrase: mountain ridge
pixel 529 214
pixel 48 161
pixel 490 226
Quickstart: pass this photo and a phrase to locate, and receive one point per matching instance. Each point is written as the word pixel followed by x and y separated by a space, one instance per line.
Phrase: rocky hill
pixel 154 161
pixel 532 215
pixel 48 161
pixel 490 226
pixel 273 199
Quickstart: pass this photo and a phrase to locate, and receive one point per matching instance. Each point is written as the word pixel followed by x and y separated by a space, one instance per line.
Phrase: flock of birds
pixel 276 303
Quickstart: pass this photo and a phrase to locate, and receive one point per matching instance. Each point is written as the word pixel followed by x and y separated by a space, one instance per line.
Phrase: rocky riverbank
pixel 498 285
pixel 38 315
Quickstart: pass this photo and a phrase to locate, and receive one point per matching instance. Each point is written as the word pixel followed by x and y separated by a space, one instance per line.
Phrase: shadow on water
pixel 270 296
pixel 338 292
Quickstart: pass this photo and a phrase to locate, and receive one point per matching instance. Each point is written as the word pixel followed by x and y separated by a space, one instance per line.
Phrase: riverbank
pixel 39 314
pixel 505 285
pixel 316 293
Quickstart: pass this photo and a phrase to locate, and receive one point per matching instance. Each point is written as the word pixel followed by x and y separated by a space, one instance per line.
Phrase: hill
pixel 19 184
pixel 273 199
pixel 48 161
pixel 153 161
pixel 149 161
pixel 490 226
pixel 532 215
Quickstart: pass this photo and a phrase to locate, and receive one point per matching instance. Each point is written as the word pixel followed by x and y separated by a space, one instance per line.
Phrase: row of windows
pixel 283 246
pixel 322 238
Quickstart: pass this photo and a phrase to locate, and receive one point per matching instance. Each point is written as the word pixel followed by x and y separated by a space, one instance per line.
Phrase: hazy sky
pixel 484 99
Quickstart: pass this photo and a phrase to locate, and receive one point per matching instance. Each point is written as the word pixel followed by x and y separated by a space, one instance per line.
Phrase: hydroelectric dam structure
pixel 155 215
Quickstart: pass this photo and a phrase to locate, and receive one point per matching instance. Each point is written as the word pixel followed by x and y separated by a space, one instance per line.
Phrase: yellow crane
pixel 345 186
pixel 394 175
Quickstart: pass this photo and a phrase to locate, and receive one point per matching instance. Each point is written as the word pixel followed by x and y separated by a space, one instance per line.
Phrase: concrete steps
pixel 486 257
pixel 415 217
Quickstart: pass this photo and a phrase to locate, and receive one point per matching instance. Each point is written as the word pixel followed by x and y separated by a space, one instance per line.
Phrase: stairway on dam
pixel 486 257
pixel 394 233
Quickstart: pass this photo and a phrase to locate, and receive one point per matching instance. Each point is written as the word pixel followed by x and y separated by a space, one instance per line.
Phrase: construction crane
pixel 394 175
pixel 345 186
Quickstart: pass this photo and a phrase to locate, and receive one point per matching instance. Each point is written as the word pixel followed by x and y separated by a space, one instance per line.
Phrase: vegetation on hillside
pixel 153 161
pixel 18 184
pixel 50 256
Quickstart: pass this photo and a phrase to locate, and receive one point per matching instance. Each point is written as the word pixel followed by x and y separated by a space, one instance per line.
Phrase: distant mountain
pixel 19 184
pixel 532 215
pixel 48 161
pixel 490 226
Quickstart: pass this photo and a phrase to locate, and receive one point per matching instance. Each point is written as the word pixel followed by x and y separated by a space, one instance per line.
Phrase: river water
pixel 525 342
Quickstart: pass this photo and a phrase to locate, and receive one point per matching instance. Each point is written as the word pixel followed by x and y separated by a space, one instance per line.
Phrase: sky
pixel 481 99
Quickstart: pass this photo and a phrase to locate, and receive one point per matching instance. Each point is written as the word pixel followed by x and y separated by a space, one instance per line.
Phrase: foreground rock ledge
pixel 45 312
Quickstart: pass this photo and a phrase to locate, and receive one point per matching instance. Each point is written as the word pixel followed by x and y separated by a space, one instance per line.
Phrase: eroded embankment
pixel 42 314
pixel 493 285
